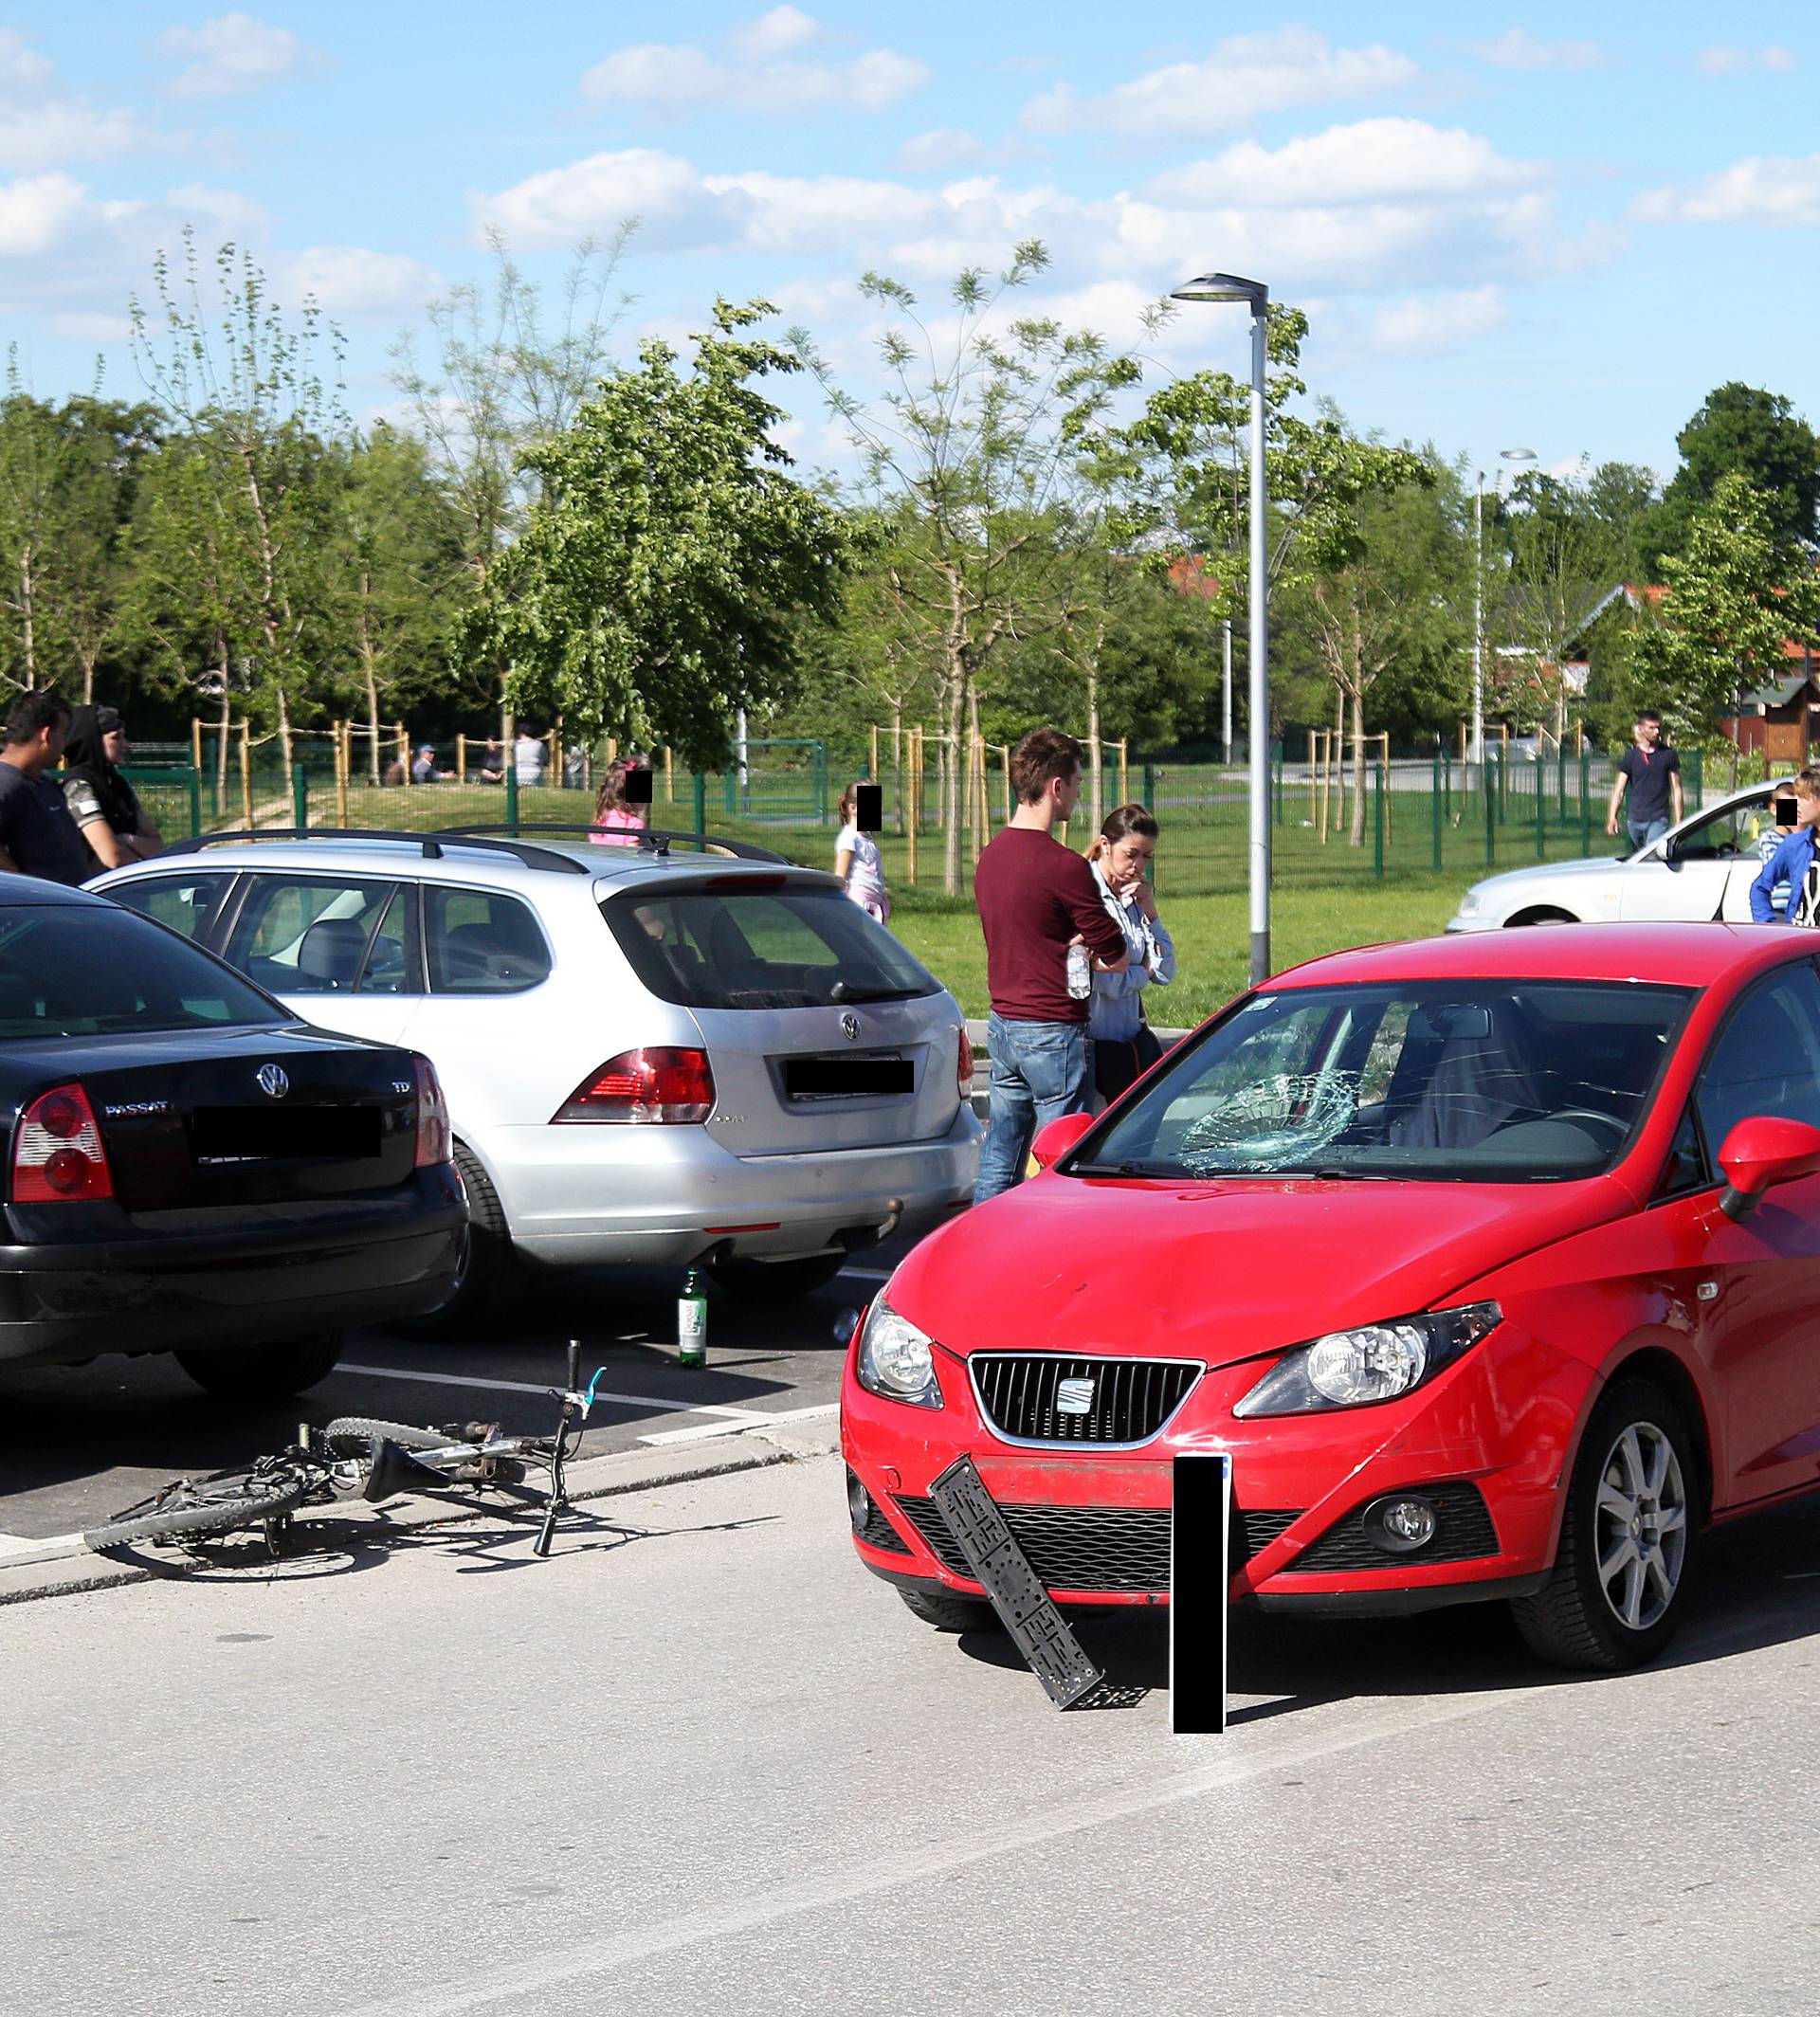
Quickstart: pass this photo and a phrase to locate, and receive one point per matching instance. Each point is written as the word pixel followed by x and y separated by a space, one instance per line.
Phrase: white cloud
pixel 23 71
pixel 776 34
pixel 1426 325
pixel 352 280
pixel 92 326
pixel 1370 161
pixel 37 211
pixel 234 54
pixel 1722 60
pixel 1762 190
pixel 943 152
pixel 1517 50
pixel 1379 206
pixel 1240 78
pixel 762 68
pixel 42 127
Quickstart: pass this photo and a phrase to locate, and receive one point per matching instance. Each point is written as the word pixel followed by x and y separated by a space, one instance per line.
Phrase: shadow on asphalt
pixel 1758 1586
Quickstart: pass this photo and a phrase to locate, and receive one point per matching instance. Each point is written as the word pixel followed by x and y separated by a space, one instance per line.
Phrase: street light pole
pixel 1225 690
pixel 1231 287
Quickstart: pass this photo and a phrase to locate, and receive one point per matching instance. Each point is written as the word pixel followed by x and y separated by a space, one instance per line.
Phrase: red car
pixel 1494 1263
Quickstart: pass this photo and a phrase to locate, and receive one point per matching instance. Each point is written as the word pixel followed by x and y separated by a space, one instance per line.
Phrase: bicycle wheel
pixel 348 1435
pixel 202 1505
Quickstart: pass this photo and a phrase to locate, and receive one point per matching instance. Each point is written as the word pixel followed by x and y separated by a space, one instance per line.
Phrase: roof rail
pixel 652 839
pixel 525 851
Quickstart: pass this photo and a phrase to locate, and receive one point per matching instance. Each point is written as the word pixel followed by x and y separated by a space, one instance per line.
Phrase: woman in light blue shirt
pixel 1124 1046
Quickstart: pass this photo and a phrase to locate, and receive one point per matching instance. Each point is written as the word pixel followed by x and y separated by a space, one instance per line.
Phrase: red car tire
pixel 1627 1538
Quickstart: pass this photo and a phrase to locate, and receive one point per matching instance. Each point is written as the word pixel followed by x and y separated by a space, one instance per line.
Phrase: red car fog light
pixel 1401 1525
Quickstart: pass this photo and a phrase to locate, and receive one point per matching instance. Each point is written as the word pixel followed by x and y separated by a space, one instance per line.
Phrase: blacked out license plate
pixel 848 1077
pixel 242 1133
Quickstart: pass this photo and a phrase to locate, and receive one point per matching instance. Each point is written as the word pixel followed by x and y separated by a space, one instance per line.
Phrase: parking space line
pixel 17 1550
pixel 457 1379
pixel 750 1418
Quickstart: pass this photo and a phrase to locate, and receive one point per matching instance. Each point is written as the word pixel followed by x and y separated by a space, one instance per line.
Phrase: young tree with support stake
pixel 661 575
pixel 974 451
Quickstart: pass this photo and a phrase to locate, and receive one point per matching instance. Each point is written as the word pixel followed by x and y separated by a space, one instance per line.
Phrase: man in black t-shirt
pixel 1652 770
pixel 37 835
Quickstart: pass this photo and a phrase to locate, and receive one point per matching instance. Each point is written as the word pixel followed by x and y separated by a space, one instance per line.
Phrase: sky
pixel 1557 232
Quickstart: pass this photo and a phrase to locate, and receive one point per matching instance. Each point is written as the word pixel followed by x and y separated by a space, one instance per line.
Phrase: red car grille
pixel 1094 1547
pixel 1039 1397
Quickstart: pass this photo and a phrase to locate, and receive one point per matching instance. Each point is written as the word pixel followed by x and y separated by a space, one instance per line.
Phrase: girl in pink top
pixel 616 821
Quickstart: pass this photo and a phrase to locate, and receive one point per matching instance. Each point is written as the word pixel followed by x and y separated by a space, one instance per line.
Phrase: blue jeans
pixel 1040 1070
pixel 1644 831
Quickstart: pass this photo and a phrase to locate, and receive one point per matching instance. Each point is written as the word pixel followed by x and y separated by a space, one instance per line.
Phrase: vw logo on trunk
pixel 274 1081
pixel 850 1027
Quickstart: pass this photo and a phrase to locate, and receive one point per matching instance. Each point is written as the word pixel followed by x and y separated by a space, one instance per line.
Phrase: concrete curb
pixel 76 1572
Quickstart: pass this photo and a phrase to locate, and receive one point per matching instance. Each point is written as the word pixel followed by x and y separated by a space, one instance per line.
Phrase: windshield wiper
pixel 845 991
pixel 1328 1173
pixel 1126 1170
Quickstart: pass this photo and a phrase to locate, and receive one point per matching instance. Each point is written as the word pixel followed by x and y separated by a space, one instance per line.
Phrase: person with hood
pixel 101 801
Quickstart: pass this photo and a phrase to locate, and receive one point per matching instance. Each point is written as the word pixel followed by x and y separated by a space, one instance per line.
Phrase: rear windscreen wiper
pixel 845 991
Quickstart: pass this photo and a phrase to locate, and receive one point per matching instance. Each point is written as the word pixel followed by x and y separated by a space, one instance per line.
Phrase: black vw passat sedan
pixel 189 1169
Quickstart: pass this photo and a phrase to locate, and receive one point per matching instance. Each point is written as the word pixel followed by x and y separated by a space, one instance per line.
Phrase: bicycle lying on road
pixel 356 1457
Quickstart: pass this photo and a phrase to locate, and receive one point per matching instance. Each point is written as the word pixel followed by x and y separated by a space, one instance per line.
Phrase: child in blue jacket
pixel 1790 862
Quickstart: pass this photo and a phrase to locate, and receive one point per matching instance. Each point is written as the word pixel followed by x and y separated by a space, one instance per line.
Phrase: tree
pixel 1744 430
pixel 1735 596
pixel 249 390
pixel 503 383
pixel 660 578
pixel 1372 591
pixel 399 556
pixel 1197 434
pixel 973 458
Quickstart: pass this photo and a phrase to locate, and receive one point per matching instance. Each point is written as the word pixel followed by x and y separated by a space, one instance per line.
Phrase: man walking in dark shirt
pixel 1036 898
pixel 37 835
pixel 1653 772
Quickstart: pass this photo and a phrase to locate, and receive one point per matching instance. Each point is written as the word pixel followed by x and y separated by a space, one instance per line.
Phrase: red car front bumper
pixel 1486 1442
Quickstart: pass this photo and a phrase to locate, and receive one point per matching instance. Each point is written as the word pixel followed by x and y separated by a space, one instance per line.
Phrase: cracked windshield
pixel 1498 1082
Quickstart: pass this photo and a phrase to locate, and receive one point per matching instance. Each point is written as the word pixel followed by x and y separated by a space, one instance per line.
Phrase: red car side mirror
pixel 1057 1137
pixel 1762 1150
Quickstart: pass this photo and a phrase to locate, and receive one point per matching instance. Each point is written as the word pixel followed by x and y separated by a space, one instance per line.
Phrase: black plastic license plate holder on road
pixel 247 1134
pixel 874 1077
pixel 1001 1567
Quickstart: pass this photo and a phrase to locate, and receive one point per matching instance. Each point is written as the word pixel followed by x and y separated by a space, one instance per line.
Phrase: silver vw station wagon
pixel 650 1055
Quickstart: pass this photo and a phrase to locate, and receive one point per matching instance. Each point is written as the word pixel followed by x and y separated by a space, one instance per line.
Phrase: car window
pixel 90 972
pixel 310 934
pixel 1498 1082
pixel 183 902
pixel 790 947
pixel 1767 1058
pixel 1724 834
pixel 482 942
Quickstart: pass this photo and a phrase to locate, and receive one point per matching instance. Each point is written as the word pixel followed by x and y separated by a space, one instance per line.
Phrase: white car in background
pixel 1702 868
pixel 651 1056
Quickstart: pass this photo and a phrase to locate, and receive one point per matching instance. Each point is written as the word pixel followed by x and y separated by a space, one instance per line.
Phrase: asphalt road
pixel 699 1760
pixel 78 1442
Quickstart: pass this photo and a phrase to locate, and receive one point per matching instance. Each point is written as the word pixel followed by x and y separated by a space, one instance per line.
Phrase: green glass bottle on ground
pixel 692 1322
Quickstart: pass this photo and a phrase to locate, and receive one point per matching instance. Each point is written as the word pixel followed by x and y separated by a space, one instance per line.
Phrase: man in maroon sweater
pixel 1035 898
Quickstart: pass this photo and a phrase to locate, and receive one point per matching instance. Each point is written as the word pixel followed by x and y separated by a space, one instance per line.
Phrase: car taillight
pixel 659 1083
pixel 964 1066
pixel 433 1117
pixel 57 1154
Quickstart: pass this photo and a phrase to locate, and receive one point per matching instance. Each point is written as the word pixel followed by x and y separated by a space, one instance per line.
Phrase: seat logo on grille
pixel 1074 1397
pixel 274 1081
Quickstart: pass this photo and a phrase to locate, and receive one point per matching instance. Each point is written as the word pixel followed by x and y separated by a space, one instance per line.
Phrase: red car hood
pixel 1220 1271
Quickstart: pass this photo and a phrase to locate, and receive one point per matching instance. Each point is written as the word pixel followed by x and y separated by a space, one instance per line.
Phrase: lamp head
pixel 1222 287
pixel 1517 455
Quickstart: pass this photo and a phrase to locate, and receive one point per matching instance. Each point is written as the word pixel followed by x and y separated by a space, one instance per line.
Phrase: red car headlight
pixel 1369 1363
pixel 896 1359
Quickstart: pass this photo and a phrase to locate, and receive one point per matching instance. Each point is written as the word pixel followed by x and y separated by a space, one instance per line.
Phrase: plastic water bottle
pixel 692 1322
pixel 1080 972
